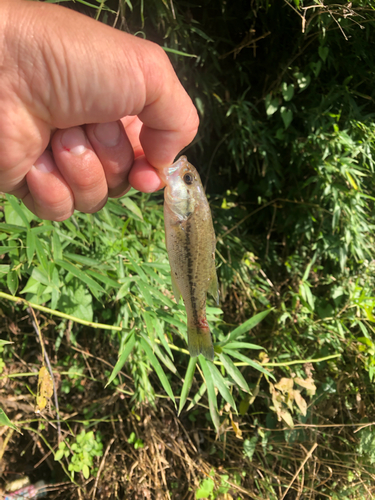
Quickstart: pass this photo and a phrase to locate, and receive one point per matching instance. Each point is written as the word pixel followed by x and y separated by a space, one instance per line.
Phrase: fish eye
pixel 188 179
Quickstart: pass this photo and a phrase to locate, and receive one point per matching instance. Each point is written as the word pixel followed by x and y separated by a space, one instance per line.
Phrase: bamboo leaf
pixel 249 362
pixel 189 375
pixel 133 207
pixel 248 325
pixel 92 284
pixel 18 209
pixel 158 369
pixel 219 382
pixel 30 245
pixel 234 372
pixel 4 420
pixel 198 395
pixel 123 357
pixel 212 401
pixel 12 282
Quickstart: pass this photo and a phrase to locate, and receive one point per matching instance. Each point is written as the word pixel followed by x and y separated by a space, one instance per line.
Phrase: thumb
pixel 73 70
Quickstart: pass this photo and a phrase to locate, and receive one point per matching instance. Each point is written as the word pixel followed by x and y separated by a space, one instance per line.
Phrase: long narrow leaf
pixel 248 325
pixel 30 245
pixel 249 362
pixel 122 359
pixel 187 383
pixel 242 345
pixel 92 284
pixel 198 395
pixel 20 211
pixel 221 385
pixel 234 372
pixel 212 401
pixel 158 369
pixel 163 358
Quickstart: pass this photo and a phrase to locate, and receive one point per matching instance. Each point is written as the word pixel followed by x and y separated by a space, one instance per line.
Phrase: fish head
pixel 184 190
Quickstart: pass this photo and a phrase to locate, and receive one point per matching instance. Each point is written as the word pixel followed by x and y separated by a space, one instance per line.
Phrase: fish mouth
pixel 169 173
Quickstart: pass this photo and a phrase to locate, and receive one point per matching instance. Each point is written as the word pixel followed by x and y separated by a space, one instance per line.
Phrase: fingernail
pixel 74 141
pixel 108 133
pixel 44 164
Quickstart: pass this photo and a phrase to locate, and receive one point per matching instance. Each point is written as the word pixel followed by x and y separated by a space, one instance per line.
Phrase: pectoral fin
pixel 214 286
pixel 176 290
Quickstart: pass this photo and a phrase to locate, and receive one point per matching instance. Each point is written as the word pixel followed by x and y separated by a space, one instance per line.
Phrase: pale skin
pixel 86 111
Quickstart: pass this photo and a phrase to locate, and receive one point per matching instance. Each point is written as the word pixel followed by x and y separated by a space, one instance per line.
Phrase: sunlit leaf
pixel 123 357
pixel 158 369
pixel 189 375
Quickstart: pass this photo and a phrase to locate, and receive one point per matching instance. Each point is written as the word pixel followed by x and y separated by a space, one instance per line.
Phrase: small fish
pixel 191 242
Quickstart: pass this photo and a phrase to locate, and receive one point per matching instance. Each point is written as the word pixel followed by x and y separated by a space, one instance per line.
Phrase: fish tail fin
pixel 200 341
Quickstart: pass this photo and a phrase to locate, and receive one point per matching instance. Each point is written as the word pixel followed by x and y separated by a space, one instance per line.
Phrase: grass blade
pixel 198 395
pixel 158 369
pixel 248 325
pixel 234 372
pixel 242 345
pixel 92 284
pixel 250 362
pixel 123 357
pixel 219 382
pixel 187 383
pixel 212 401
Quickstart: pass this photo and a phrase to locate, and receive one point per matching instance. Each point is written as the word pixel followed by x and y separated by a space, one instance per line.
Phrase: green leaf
pixel 221 385
pixel 249 362
pixel 56 246
pixel 158 369
pixel 248 325
pixel 4 420
pixel 212 401
pixel 146 294
pixel 123 357
pixel 243 345
pixel 286 115
pixel 30 245
pixel 103 278
pixel 59 455
pixel 4 342
pixel 160 354
pixel 85 471
pixel 189 375
pixel 323 52
pixel 234 372
pixel 12 282
pixel 287 91
pixel 138 270
pixel 92 284
pixel 133 207
pixel 41 253
pixel 198 395
pixel 205 489
pixel 272 105
pixel 249 446
pixel 20 210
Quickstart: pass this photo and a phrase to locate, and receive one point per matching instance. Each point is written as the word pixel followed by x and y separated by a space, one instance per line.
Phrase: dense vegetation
pixel 285 93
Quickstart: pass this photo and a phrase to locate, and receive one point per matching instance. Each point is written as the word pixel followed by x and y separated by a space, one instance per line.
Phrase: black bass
pixel 191 242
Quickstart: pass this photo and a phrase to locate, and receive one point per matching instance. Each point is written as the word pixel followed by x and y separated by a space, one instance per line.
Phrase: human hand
pixel 109 104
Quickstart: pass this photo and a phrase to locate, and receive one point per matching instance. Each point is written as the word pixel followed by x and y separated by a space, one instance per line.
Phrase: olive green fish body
pixel 190 240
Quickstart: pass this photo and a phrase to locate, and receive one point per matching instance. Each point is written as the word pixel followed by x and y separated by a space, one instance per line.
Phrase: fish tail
pixel 200 341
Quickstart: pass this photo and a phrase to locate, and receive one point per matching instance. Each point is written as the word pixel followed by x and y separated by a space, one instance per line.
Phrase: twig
pixel 45 355
pixel 101 467
pixel 299 469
